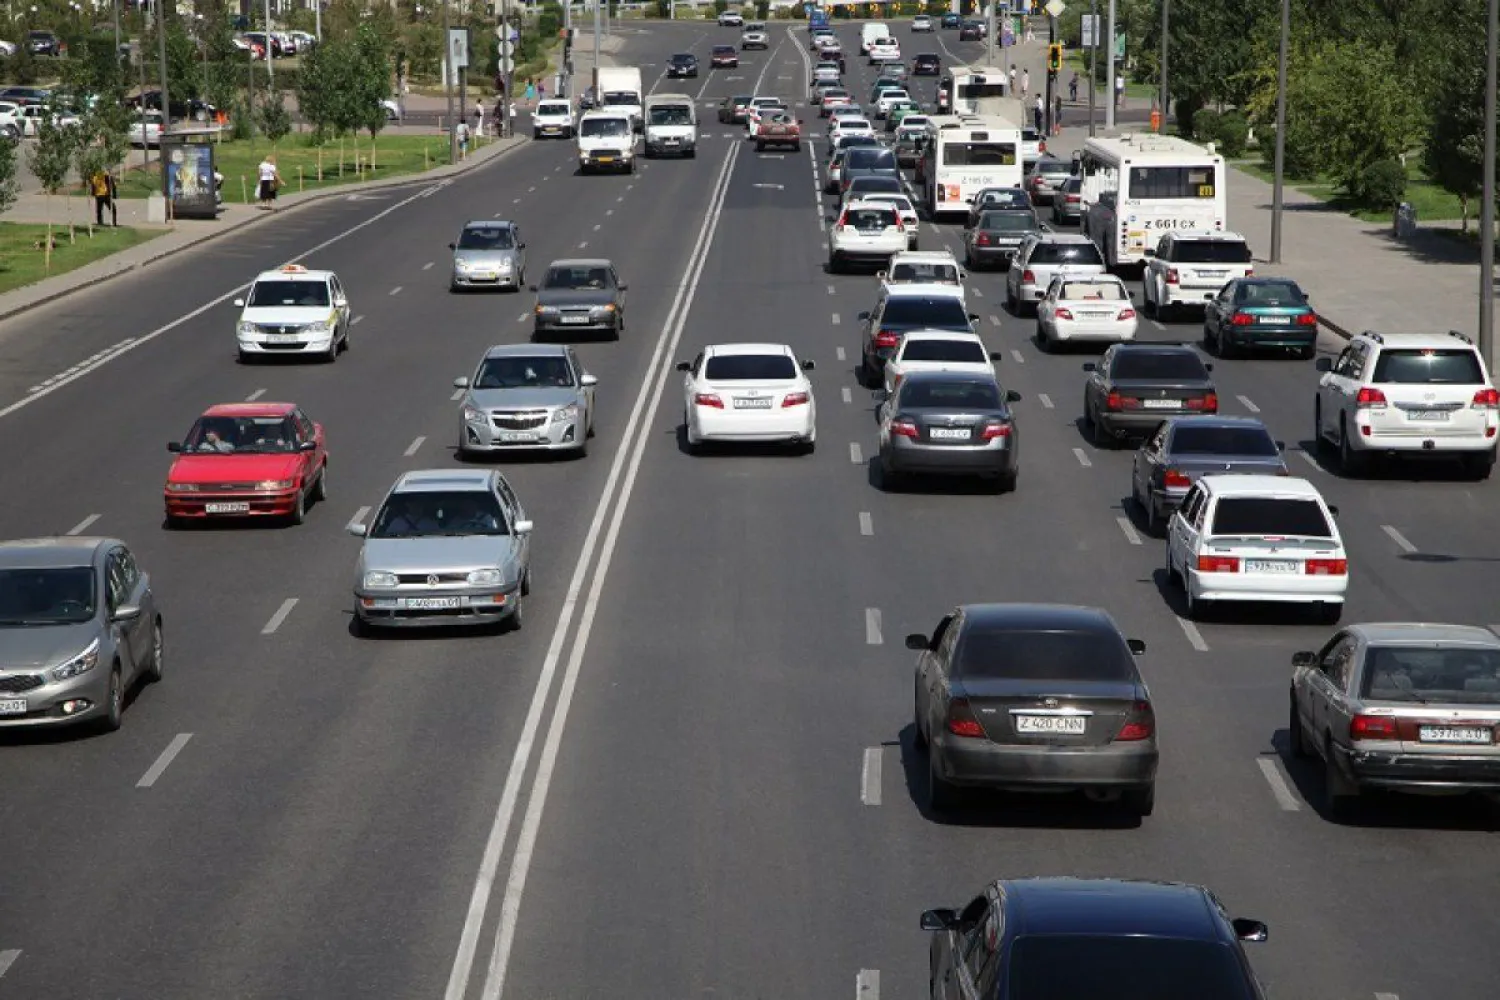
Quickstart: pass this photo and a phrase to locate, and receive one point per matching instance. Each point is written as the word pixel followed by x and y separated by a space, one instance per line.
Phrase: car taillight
pixel 1372 727
pixel 1241 319
pixel 708 399
pixel 1172 277
pixel 1208 403
pixel 1062 313
pixel 1486 399
pixel 1218 564
pixel 1126 314
pixel 887 338
pixel 1115 401
pixel 1249 272
pixel 1326 567
pixel 1140 724
pixel 1307 319
pixel 961 721
pixel 983 240
pixel 992 431
pixel 795 399
pixel 1174 478
pixel 1373 399
pixel 1074 198
pixel 1028 277
pixel 903 428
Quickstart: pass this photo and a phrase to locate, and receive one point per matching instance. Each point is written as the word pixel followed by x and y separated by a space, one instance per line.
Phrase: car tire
pixel 1296 736
pixel 245 358
pixel 1044 339
pixel 516 620
pixel 941 796
pixel 1140 802
pixel 834 265
pixel 536 134
pixel 299 509
pixel 114 704
pixel 1174 579
pixel 918 737
pixel 1011 301
pixel 1225 347
pixel 760 147
pixel 1479 465
pixel 1351 462
pixel 1339 794
pixel 332 354
pixel 1155 527
pixel 1007 481
pixel 1320 443
pixel 1197 608
pixel 156 669
pixel 320 488
pixel 1102 438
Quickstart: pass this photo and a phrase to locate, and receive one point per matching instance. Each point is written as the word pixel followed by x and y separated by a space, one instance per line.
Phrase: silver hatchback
pixel 489 254
pixel 528 397
pixel 446 547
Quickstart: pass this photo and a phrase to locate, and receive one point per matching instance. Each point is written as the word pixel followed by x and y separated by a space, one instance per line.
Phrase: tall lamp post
pixel 161 40
pixel 1166 15
pixel 1487 202
pixel 1280 162
pixel 448 86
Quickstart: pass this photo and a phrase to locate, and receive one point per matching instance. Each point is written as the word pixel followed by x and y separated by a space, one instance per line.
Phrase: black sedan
pixel 583 295
pixel 972 31
pixel 683 64
pixel 1252 313
pixel 1186 448
pixel 997 235
pixel 949 423
pixel 1038 697
pixel 997 198
pixel 1073 937
pixel 899 314
pixel 951 20
pixel 1134 387
pixel 926 64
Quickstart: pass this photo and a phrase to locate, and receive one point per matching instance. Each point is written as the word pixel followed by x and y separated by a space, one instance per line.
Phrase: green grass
pixel 395 155
pixel 1078 62
pixel 1433 204
pixel 23 261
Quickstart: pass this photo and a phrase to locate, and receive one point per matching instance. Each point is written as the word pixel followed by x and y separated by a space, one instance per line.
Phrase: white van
pixel 553 117
pixel 869 32
pixel 671 126
pixel 606 141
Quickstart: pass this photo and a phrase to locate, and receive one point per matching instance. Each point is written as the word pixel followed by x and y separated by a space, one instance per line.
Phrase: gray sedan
pixel 529 397
pixel 489 254
pixel 1186 448
pixel 79 626
pixel 446 547
pixel 580 296
pixel 948 423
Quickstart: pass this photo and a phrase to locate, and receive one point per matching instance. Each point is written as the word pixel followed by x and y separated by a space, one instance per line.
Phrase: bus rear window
pixel 1173 182
pixel 979 154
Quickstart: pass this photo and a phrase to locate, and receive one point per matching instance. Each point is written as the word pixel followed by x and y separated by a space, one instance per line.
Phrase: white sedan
pixel 850 125
pixel 939 351
pixel 748 393
pixel 1090 307
pixel 904 208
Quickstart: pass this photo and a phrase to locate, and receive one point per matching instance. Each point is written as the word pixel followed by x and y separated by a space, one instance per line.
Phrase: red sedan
pixel 247 460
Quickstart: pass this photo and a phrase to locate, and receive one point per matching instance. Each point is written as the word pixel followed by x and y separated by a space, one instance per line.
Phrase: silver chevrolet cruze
pixel 528 397
pixel 446 547
pixel 489 254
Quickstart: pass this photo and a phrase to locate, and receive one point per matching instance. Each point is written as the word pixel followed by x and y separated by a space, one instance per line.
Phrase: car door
pixel 138 585
pixel 925 666
pixel 516 513
pixel 515 232
pixel 619 291
pixel 1147 458
pixel 1018 267
pixel 1179 529
pixel 952 973
pixel 340 304
pixel 119 586
pixel 1219 307
pixel 690 383
pixel 586 390
pixel 1095 387
pixel 311 461
pixel 1329 689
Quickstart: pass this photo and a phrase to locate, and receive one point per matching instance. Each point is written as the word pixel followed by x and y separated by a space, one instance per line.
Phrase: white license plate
pixel 13 706
pixel 1105 315
pixel 1161 404
pixel 283 337
pixel 1435 416
pixel 751 404
pixel 1270 566
pixel 575 320
pixel 1449 734
pixel 226 508
pixel 430 603
pixel 1071 725
pixel 513 437
pixel 1274 320
pixel 950 433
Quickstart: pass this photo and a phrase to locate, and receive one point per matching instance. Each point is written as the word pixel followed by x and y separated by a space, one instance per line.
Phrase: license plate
pixel 751 404
pixel 673 142
pixel 1275 320
pixel 484 275
pixel 283 337
pixel 1270 566
pixel 1161 404
pixel 1437 416
pixel 1105 315
pixel 1447 734
pixel 950 433
pixel 430 603
pixel 575 320
pixel 512 438
pixel 606 159
pixel 13 706
pixel 1071 725
pixel 226 508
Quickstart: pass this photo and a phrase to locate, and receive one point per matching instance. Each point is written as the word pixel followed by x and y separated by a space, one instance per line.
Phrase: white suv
pixel 1405 393
pixel 884 50
pixel 867 232
pixel 1190 268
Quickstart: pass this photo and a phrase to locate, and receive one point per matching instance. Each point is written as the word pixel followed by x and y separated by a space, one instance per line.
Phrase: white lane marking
pixel 621 198
pixel 977 293
pixel 530 189
pixel 167 756
pixel 838 352
pixel 869 777
pixel 1020 358
pixel 994 320
pixel 279 617
pixel 1280 788
pixel 519 319
pixel 1309 459
pixel 95 360
pixel 867 985
pixel 872 627
pixel 1046 400
pixel 428 266
pixel 1386 996
pixel 832 290
pixel 847 394
pixel 457 395
pixel 84 525
pixel 1082 456
pixel 609 211
pixel 411 449
pixel 629 186
pixel 1398 538
pixel 1194 637
pixel 356 320
pixel 855 455
pixel 359 517
pixel 8 958
pixel 255 395
pixel 627 462
pixel 396 290
pixel 583 245
pixel 1128 530
pixel 1245 402
pixel 515 201
pixel 866 523
pixel 597 226
pixel 836 321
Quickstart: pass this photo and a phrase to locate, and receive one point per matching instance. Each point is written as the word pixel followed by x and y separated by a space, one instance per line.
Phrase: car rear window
pixel 1188 439
pixel 1279 516
pixel 941 313
pixel 750 368
pixel 1467 675
pixel 1184 365
pixel 943 274
pixel 1065 967
pixel 1005 198
pixel 1066 253
pixel 870 218
pixel 1211 252
pixel 963 351
pixel 953 395
pixel 1271 293
pixel 876 184
pixel 1051 655
pixel 872 158
pixel 1433 366
pixel 1007 222
pixel 1092 291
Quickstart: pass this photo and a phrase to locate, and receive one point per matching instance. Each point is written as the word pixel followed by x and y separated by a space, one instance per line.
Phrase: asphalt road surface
pixel 691 774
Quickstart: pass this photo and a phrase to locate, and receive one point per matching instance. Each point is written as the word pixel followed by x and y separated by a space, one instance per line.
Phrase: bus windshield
pixel 1158 183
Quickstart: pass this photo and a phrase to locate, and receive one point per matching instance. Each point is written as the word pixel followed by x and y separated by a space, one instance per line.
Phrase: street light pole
pixel 1109 81
pixel 448 86
pixel 1093 62
pixel 161 37
pixel 116 6
pixel 318 19
pixel 1487 203
pixel 596 50
pixel 270 55
pixel 1166 13
pixel 990 32
pixel 1280 161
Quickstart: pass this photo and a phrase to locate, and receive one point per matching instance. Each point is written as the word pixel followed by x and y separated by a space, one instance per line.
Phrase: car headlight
pixel 473 415
pixel 182 487
pixel 275 484
pixel 245 328
pixel 608 307
pixel 565 413
pixel 81 663
pixel 484 578
pixel 380 578
pixel 322 326
pixel 544 310
pixel 504 264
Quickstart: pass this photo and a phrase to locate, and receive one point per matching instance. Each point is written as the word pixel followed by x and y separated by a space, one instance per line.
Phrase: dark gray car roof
pixel 1041 617
pixel 41 553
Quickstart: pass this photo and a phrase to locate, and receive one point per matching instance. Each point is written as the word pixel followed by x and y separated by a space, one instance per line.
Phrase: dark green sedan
pixel 1253 313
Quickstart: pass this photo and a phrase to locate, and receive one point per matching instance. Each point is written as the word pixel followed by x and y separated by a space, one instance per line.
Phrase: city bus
pixel 962 155
pixel 970 90
pixel 1136 187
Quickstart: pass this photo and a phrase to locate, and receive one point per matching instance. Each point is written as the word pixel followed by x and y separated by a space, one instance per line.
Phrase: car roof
pixel 489 224
pixel 1063 905
pixel 862 203
pixel 924 290
pixel 1415 340
pixel 527 350
pixel 923 376
pixel 925 257
pixel 1071 239
pixel 43 553
pixel 1217 421
pixel 439 480
pixel 581 262
pixel 731 350
pixel 1282 487
pixel 301 274
pixel 1423 633
pixel 914 335
pixel 256 409
pixel 1044 617
pixel 1199 236
pixel 1162 347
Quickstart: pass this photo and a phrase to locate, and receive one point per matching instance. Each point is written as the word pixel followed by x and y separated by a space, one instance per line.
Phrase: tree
pixel 102 140
pixel 1211 53
pixel 9 189
pixel 322 84
pixel 50 159
pixel 1454 153
pixel 372 81
pixel 273 118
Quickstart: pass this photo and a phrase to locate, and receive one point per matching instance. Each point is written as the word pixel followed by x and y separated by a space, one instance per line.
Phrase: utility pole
pixel 567 66
pixel 1487 203
pixel 1280 161
pixel 116 5
pixel 1166 7
pixel 1093 61
pixel 161 38
pixel 318 19
pixel 596 50
pixel 448 86
pixel 1048 117
pixel 270 55
pixel 1109 80
pixel 990 32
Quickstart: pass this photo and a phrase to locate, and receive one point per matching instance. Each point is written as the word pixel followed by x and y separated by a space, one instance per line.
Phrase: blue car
pixel 1253 313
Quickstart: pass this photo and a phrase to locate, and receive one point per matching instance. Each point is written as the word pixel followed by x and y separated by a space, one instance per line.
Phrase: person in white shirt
pixel 1119 89
pixel 1025 83
pixel 270 181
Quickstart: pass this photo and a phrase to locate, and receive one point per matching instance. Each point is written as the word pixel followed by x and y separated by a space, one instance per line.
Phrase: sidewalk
pixel 184 234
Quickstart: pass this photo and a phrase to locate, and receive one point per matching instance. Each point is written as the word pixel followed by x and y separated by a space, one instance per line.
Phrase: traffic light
pixel 1054 57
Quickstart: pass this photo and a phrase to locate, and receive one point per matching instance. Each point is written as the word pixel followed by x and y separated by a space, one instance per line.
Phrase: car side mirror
pixel 973 317
pixel 174 446
pixel 239 303
pixel 531 288
pixel 808 366
pixel 1208 366
pixel 1323 365
pixel 357 529
pixel 864 315
pixel 1012 396
pixel 963 275
pixel 996 356
pixel 308 446
pixel 1045 228
pixel 462 382
pixel 1281 446
pixel 1249 930
pixel 126 613
pixel 1333 510
pixel 918 642
pixel 1089 366
pixel 452 246
pixel 939 920
pixel 1137 646
pixel 589 380
pixel 684 366
pixel 524 527
pixel 1305 658
pixel 623 287
pixel 520 246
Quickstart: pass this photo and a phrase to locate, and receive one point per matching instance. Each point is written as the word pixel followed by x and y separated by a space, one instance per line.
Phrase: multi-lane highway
pixel 692 773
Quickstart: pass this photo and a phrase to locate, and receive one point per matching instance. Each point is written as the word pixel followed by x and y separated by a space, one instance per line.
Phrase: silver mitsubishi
pixel 489 254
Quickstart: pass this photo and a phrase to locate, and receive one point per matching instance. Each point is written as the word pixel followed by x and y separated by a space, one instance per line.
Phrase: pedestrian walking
pixel 1025 83
pixel 1119 90
pixel 530 91
pixel 1057 106
pixel 541 90
pixel 102 184
pixel 270 182
pixel 479 118
pixel 462 135
pixel 1073 89
pixel 1039 112
pixel 1012 78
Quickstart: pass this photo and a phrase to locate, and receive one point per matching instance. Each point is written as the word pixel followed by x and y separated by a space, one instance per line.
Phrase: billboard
pixel 188 180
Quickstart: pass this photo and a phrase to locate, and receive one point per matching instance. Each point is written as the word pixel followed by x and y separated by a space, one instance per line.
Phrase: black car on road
pixel 927 64
pixel 1134 387
pixel 1184 449
pixel 682 64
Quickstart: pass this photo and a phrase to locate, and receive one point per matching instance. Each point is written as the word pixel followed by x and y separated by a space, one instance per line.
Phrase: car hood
pixel 40 646
pixel 211 468
pixel 574 297
pixel 523 397
pixel 440 554
pixel 1207 465
pixel 286 315
pixel 472 257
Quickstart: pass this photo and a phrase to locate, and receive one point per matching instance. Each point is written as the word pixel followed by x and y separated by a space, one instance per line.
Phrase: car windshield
pixel 604 127
pixel 723 50
pixel 578 277
pixel 62 595
pixel 1065 967
pixel 1077 254
pixel 1429 366
pixel 513 373
pixel 682 60
pixel 962 351
pixel 1288 517
pixel 941 312
pixel 954 395
pixel 1467 675
pixel 1211 252
pixel 1007 222
pixel 486 238
pixel 242 436
pixel 1092 291
pixel 674 114
pixel 1271 293
pixel 1163 365
pixel 750 368
pixel 277 292
pixel 1044 655
pixel 872 158
pixel 419 514
pixel 1191 439
pixel 920 273
pixel 554 108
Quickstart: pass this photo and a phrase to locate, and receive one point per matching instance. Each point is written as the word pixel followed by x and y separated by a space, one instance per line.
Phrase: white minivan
pixel 554 118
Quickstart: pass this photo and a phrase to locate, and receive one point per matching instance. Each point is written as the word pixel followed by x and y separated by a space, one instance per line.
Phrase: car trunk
pixel 1451 729
pixel 1058 713
pixel 1196 466
pixel 750 395
pixel 1166 396
pixel 950 427
pixel 1286 555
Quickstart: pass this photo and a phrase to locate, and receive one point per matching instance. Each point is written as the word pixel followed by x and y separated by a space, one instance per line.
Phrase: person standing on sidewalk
pixel 1025 83
pixel 270 181
pixel 102 184
pixel 1119 90
pixel 1039 112
pixel 479 118
pixel 1057 106
pixel 1073 89
pixel 462 133
pixel 1012 78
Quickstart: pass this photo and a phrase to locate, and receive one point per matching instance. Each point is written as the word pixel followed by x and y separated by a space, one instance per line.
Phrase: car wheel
pixel 1339 794
pixel 918 737
pixel 1043 338
pixel 693 442
pixel 1154 524
pixel 1008 480
pixel 1478 465
pixel 245 358
pixel 517 618
pixel 1140 801
pixel 834 267
pixel 1351 462
pixel 1102 438
pixel 536 134
pixel 1225 347
pixel 332 354
pixel 1010 301
pixel 941 796
pixel 760 147
pixel 114 706
pixel 1173 577
pixel 299 509
pixel 1296 736
pixel 320 488
pixel 156 669
pixel 1319 441
pixel 1197 608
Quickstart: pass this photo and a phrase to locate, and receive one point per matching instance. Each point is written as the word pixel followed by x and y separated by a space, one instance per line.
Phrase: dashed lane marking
pixel 84 525
pixel 358 518
pixel 977 293
pixel 994 320
pixel 847 393
pixel 866 523
pixel 157 769
pixel 873 636
pixel 1309 459
pixel 1400 539
pixel 1281 789
pixel 597 226
pixel 1045 399
pixel 396 290
pixel 356 320
pixel 835 319
pixel 609 211
pixel 86 365
pixel 412 448
pixel 1245 402
pixel 869 777
pixel 255 395
pixel 1020 358
pixel 279 617
pixel 8 958
pixel 428 266
pixel 1194 637
pixel 1128 530
pixel 856 457
pixel 867 985
pixel 457 395
pixel 832 290
pixel 583 245
pixel 1083 457
pixel 838 352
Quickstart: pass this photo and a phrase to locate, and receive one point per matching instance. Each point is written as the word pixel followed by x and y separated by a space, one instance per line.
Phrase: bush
pixel 1206 125
pixel 1234 134
pixel 720 6
pixel 1382 185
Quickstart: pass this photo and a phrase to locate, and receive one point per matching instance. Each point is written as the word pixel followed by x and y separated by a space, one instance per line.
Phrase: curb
pixel 431 176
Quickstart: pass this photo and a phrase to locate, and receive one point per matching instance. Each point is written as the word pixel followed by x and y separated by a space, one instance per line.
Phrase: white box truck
pixel 618 88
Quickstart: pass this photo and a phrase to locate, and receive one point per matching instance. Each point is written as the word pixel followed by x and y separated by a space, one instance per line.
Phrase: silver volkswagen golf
pixel 526 396
pixel 446 547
